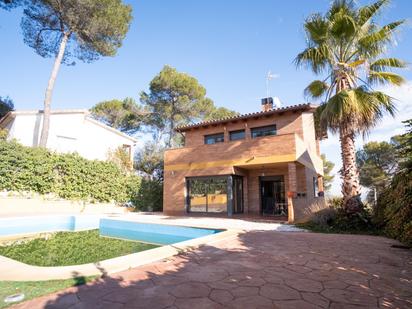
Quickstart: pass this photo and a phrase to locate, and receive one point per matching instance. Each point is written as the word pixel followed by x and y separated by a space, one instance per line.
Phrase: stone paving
pixel 258 269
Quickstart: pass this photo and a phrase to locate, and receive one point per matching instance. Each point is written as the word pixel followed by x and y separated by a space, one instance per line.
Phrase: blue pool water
pixel 149 232
pixel 39 224
pixel 146 232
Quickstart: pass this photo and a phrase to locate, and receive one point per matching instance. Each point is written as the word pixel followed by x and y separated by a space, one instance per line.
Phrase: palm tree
pixel 347 47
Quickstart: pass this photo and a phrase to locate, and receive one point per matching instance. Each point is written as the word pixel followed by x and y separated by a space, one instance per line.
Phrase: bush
pixel 150 195
pixel 394 208
pixel 335 219
pixel 325 217
pixel 335 202
pixel 68 176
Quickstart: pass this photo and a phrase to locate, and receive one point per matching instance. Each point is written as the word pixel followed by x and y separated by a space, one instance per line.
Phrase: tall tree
pixel 377 163
pixel 175 99
pixel 82 29
pixel 126 115
pixel 346 45
pixel 6 105
pixel 327 170
pixel 149 160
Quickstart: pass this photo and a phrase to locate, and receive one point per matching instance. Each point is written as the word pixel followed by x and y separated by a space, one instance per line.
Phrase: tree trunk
pixel 349 173
pixel 47 100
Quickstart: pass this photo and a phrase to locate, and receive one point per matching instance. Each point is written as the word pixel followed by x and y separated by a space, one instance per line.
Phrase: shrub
pixel 325 216
pixel 335 202
pixel 394 208
pixel 150 195
pixel 69 176
pixel 336 220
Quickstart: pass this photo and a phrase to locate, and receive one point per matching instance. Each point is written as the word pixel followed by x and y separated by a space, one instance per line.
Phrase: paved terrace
pixel 258 269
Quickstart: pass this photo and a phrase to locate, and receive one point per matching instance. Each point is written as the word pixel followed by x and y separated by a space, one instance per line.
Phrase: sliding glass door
pixel 215 194
pixel 207 194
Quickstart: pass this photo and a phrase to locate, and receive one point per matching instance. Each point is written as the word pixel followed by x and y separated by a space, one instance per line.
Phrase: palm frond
pixel 316 58
pixel 370 108
pixel 357 63
pixel 358 109
pixel 316 28
pixel 316 89
pixel 341 7
pixel 336 111
pixel 374 43
pixel 385 78
pixel 367 12
pixel 384 63
pixel 343 26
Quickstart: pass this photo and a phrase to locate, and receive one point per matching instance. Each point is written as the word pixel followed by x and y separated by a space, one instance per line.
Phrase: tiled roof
pixel 305 106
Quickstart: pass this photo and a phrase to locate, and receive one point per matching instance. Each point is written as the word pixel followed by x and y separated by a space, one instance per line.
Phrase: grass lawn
pixel 33 289
pixel 71 248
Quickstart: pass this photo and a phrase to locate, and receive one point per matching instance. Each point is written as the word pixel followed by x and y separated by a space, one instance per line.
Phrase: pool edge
pixel 12 270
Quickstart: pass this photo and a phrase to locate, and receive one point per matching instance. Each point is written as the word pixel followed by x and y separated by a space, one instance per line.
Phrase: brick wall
pixel 288 122
pixel 247 158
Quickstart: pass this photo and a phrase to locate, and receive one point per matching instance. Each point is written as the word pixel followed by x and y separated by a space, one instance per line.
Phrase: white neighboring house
pixel 70 131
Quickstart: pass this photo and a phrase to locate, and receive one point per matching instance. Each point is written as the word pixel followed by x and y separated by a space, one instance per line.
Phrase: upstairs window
pixel 237 135
pixel 214 138
pixel 263 131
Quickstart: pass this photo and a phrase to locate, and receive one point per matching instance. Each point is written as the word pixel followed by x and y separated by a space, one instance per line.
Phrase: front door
pixel 272 195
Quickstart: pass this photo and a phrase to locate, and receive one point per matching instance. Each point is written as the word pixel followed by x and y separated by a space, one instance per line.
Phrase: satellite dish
pixel 276 102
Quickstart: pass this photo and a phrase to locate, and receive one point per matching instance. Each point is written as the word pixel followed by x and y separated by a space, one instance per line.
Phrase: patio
pixel 258 269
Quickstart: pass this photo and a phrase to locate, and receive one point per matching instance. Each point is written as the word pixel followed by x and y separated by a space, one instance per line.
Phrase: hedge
pixel 394 209
pixel 68 176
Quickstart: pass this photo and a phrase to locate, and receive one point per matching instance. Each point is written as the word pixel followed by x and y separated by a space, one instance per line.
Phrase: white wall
pixel 69 132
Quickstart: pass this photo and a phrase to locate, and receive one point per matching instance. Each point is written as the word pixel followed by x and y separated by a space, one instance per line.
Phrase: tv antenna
pixel 269 77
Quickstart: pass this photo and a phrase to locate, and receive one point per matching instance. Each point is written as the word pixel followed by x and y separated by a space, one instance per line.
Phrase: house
pixel 265 163
pixel 70 131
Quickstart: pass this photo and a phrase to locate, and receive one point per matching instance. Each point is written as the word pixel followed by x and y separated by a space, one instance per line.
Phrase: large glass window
pixel 214 138
pixel 207 194
pixel 263 131
pixel 237 135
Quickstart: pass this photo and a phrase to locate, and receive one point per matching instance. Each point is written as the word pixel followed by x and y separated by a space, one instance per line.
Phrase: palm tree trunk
pixel 349 172
pixel 47 100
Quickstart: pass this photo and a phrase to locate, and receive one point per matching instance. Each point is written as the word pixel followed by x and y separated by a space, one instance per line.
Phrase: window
pixel 237 135
pixel 315 186
pixel 207 194
pixel 214 138
pixel 263 131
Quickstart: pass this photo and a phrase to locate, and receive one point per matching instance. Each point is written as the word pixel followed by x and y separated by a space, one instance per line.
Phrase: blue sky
pixel 227 45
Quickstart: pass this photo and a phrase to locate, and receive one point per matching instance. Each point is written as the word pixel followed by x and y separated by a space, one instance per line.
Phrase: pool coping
pixel 12 270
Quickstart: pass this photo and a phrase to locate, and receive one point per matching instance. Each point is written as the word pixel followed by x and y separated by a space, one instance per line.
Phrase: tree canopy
pixel 327 170
pixel 126 115
pixel 68 30
pixel 6 105
pixel 377 163
pixel 175 99
pixel 93 28
pixel 149 160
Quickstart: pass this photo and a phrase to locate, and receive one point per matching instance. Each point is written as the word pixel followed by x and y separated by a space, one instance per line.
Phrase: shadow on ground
pixel 259 269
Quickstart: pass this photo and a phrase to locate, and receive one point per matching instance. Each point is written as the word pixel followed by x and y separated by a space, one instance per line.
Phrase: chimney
pixel 267 104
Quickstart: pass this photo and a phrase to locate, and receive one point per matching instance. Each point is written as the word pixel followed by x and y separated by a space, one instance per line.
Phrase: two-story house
pixel 264 163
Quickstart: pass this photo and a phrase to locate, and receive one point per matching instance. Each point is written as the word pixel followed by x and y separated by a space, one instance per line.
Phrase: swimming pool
pixel 160 234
